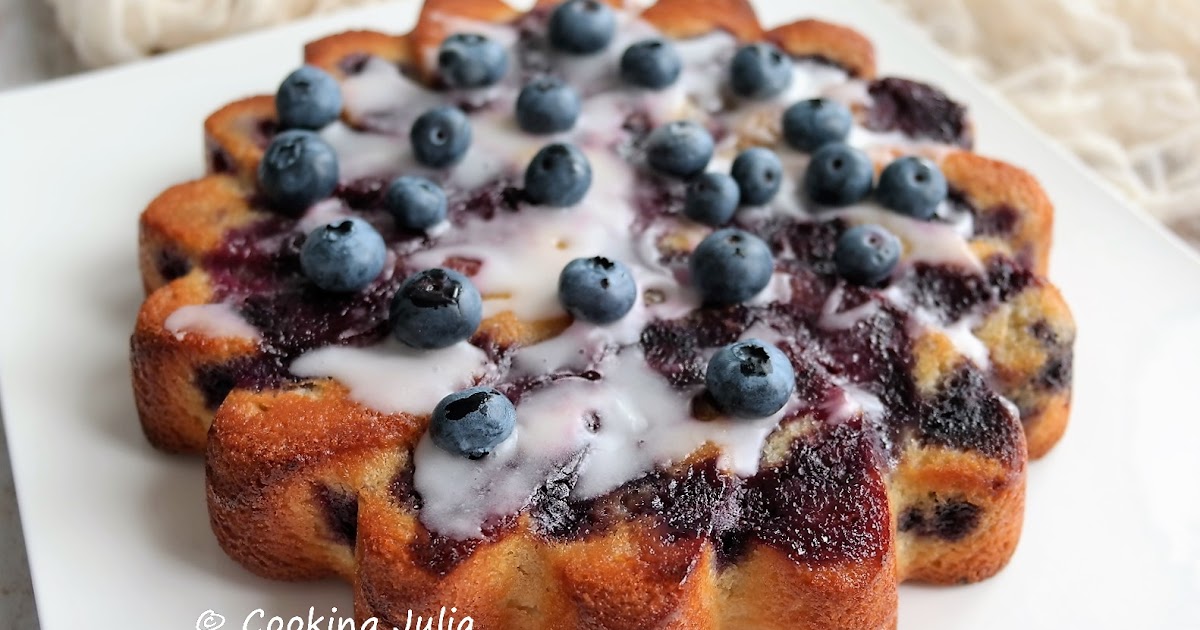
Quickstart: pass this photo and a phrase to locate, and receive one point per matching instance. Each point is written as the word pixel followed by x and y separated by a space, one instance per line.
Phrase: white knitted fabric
pixel 1113 80
pixel 113 31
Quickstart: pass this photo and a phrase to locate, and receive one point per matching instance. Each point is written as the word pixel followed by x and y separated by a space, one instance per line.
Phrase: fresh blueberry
pixel 731 266
pixel 559 175
pixel 760 71
pixel 866 254
pixel 436 308
pixel 913 186
pixel 758 173
pixel 298 169
pixel 681 148
pixel 470 60
pixel 344 255
pixel 472 422
pixel 582 27
pixel 750 379
pixel 712 198
pixel 651 63
pixel 547 105
pixel 415 202
pixel 810 125
pixel 309 98
pixel 838 175
pixel 598 290
pixel 440 136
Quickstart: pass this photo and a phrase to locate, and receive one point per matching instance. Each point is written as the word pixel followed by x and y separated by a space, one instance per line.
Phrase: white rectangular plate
pixel 118 534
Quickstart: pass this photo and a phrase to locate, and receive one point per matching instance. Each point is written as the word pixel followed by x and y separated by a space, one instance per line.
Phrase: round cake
pixel 604 317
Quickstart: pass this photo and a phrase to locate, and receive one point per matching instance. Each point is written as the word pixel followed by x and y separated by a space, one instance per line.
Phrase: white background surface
pixel 31 50
pixel 118 534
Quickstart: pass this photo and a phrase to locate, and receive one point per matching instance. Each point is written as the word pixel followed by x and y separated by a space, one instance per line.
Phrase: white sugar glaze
pixel 640 420
pixel 960 333
pixel 393 378
pixel 321 214
pixel 218 320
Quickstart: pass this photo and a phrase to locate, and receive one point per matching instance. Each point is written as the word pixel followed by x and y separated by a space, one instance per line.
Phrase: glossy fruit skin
pixel 838 175
pixel 297 170
pixel 441 136
pixel 471 60
pixel 680 148
pixel 559 175
pixel 866 254
pixel 750 379
pixel 712 199
pixel 415 202
pixel 759 174
pixel 812 124
pixel 547 105
pixel 436 308
pixel 651 63
pixel 731 266
pixel 472 422
pixel 597 289
pixel 343 256
pixel 912 186
pixel 581 27
pixel 760 71
pixel 308 98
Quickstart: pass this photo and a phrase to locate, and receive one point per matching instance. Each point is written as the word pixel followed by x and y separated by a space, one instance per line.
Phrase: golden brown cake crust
pixel 838 44
pixel 233 137
pixel 1007 197
pixel 682 19
pixel 284 466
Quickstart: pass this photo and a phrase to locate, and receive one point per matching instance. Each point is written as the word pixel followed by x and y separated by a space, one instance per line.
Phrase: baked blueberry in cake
pixel 600 317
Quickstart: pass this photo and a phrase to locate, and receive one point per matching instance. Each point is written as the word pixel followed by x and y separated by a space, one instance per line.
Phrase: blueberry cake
pixel 594 317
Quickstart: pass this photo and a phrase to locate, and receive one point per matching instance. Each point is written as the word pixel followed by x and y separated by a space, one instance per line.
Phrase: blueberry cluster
pixel 754 179
pixel 840 175
pixel 434 308
pixel 438 308
pixel 299 168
